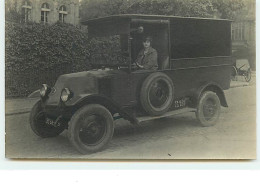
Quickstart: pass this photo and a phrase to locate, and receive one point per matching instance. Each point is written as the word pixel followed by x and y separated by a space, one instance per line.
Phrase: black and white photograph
pixel 130 79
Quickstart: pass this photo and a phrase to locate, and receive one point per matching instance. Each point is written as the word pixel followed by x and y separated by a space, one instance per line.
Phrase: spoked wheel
pixel 208 109
pixel 42 125
pixel 91 128
pixel 247 75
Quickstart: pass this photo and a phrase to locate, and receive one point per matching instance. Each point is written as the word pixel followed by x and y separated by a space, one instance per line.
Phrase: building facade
pixel 49 11
pixel 244 35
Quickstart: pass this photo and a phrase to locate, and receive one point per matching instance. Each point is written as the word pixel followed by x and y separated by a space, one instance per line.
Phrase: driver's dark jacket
pixel 148 60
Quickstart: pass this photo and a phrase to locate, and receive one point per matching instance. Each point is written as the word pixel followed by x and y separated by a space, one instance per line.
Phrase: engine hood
pixel 81 84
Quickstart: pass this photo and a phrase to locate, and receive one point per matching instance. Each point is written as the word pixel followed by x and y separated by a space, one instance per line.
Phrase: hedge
pixel 37 54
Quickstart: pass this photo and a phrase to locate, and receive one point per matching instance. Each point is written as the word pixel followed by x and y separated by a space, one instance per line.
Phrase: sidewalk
pixel 24 105
pixel 234 84
pixel 19 105
pixel 240 81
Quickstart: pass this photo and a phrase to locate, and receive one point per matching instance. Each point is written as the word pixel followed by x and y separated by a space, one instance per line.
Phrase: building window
pixel 44 12
pixel 26 11
pixel 62 13
pixel 238 31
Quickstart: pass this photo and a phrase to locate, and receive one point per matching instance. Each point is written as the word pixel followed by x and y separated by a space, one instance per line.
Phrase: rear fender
pixel 210 87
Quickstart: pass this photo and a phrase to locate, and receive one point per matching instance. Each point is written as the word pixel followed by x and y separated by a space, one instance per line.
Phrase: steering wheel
pixel 136 65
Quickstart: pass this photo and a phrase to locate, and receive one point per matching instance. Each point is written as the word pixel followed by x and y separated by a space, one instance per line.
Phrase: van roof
pixel 143 16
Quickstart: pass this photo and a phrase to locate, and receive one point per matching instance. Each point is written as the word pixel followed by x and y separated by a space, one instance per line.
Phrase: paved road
pixel 179 137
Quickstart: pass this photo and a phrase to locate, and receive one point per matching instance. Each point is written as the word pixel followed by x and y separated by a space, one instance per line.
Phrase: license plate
pixel 180 103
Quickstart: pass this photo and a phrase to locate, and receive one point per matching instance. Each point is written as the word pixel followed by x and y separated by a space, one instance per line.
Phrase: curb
pixel 234 84
pixel 22 111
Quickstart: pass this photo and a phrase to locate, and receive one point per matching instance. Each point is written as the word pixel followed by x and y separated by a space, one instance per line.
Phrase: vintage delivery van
pixel 194 66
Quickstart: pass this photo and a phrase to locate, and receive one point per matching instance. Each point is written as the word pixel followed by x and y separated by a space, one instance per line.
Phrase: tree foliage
pixel 11 13
pixel 187 8
pixel 229 8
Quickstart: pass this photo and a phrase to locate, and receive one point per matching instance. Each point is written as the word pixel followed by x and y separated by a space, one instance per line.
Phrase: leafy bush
pixel 37 53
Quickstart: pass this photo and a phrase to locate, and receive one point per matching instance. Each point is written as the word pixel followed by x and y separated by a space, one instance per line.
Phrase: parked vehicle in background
pixel 195 63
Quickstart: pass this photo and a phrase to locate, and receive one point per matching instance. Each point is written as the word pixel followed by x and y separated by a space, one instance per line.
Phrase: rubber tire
pixel 144 97
pixel 73 135
pixel 248 76
pixel 199 113
pixel 44 133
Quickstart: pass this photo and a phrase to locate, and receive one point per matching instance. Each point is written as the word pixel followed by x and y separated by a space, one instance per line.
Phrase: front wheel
pixel 208 109
pixel 42 125
pixel 91 128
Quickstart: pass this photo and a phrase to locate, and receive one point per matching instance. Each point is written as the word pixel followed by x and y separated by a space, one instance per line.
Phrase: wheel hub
pixel 209 109
pixel 92 130
pixel 159 93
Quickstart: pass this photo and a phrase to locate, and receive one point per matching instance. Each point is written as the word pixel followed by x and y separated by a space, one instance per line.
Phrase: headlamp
pixel 66 94
pixel 45 90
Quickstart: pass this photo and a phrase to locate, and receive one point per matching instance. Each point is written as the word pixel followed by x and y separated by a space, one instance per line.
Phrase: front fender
pixel 210 87
pixel 111 105
pixel 35 94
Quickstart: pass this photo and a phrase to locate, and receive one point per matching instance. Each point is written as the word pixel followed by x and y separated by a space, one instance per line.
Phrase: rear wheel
pixel 91 128
pixel 208 109
pixel 42 125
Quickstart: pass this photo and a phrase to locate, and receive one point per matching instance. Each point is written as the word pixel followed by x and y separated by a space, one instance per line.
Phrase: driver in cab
pixel 147 57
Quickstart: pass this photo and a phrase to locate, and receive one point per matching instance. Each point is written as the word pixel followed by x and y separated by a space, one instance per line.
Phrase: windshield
pixel 110 51
pixel 118 42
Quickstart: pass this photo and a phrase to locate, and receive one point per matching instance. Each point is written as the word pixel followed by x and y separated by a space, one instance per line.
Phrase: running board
pixel 167 114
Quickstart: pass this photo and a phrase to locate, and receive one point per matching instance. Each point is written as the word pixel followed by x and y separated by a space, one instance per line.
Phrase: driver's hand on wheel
pixel 139 66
